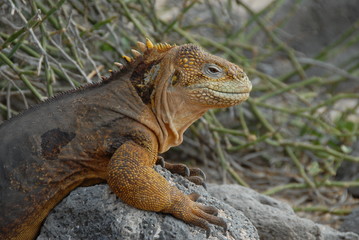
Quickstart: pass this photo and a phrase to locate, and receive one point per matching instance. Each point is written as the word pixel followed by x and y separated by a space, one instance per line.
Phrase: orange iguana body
pixel 113 131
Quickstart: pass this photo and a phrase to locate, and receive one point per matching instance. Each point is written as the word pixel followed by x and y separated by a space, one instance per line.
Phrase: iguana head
pixel 203 79
pixel 209 80
pixel 180 83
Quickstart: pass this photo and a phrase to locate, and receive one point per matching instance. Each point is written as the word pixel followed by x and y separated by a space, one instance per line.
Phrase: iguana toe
pixel 188 210
pixel 194 196
pixel 203 215
pixel 197 180
pixel 197 172
pixel 195 175
pixel 178 168
pixel 160 161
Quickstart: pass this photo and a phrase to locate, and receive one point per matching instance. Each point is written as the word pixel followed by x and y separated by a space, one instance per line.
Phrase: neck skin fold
pixel 173 110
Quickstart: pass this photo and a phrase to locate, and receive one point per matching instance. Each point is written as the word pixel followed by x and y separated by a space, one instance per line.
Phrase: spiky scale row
pixel 149 44
pixel 136 53
pixel 119 65
pixel 163 46
pixel 143 47
pixel 127 58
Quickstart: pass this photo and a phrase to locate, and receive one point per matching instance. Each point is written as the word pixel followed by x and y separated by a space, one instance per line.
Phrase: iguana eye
pixel 212 70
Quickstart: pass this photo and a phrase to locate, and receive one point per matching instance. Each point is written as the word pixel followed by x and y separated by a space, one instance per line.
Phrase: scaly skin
pixel 113 131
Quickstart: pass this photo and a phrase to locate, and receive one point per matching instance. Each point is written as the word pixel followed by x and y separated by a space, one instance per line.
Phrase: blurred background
pixel 296 139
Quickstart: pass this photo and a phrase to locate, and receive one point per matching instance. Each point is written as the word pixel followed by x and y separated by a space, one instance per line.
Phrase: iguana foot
pixel 194 175
pixel 197 214
pixel 144 188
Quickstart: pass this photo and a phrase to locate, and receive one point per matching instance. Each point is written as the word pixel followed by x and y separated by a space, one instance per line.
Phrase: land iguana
pixel 113 131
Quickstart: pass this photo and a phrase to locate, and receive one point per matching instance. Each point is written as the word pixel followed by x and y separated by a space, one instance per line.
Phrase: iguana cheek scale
pixel 113 131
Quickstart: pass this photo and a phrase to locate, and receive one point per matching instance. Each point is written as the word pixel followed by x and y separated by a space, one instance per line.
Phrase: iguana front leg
pixel 132 178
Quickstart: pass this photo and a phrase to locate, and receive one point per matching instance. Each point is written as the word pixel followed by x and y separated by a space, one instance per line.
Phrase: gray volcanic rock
pixel 351 222
pixel 96 213
pixel 274 219
pixel 349 171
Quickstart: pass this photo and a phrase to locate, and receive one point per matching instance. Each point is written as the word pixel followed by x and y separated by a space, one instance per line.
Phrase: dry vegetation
pixel 288 140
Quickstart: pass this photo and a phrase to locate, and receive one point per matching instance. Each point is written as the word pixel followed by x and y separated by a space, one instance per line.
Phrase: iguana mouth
pixel 219 96
pixel 224 87
pixel 226 92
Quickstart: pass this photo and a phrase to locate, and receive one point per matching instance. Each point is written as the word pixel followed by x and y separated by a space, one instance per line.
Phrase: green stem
pixel 341 184
pixel 290 87
pixel 275 39
pixel 28 84
pixel 318 148
pixel 225 163
pixel 133 19
pixel 323 53
pixel 277 136
pixel 322 209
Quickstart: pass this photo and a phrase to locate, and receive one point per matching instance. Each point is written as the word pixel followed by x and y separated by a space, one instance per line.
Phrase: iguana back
pixel 60 144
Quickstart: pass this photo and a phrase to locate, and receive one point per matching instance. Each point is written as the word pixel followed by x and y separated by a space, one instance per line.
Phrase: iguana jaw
pixel 224 94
